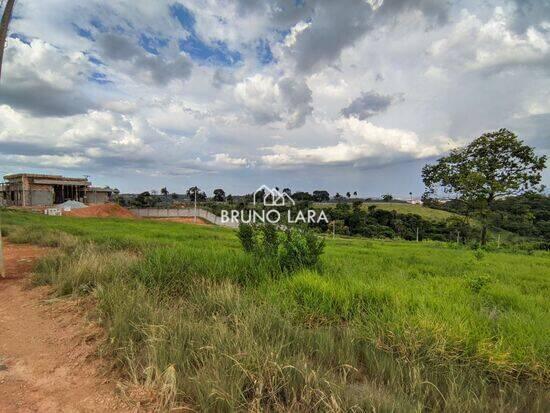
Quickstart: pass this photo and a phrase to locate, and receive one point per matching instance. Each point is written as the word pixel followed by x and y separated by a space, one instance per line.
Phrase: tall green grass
pixel 384 326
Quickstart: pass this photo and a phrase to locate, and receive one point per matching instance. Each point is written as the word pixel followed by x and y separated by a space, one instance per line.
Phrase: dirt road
pixel 47 349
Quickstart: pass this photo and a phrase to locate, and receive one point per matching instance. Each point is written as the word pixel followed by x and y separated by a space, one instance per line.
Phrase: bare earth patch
pixel 48 359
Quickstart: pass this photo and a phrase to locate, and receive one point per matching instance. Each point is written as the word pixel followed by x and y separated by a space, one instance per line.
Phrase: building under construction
pixel 29 190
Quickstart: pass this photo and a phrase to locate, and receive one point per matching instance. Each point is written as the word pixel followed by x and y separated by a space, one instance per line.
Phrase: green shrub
pixel 300 249
pixel 479 254
pixel 282 251
pixel 246 235
pixel 476 283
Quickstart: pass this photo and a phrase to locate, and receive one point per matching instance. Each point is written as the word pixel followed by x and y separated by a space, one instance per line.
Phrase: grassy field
pixel 401 208
pixel 382 326
pixel 404 208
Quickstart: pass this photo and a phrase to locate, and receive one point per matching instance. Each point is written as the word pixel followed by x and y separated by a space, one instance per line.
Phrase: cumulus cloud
pixel 219 162
pixel 477 45
pixel 332 26
pixel 436 10
pixel 322 29
pixel 529 13
pixel 360 143
pixel 267 100
pixel 95 138
pixel 153 69
pixel 107 87
pixel 44 80
pixel 369 104
pixel 225 161
pixel 48 161
pixel 223 77
pixel 117 47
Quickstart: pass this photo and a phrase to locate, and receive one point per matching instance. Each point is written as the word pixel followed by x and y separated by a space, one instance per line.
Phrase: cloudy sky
pixel 309 94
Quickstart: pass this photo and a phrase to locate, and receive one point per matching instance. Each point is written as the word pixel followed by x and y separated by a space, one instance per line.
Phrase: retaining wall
pixel 182 213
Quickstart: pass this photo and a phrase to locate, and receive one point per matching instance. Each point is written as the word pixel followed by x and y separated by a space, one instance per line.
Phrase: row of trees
pixel 492 179
pixel 346 219
pixel 154 198
pixel 527 215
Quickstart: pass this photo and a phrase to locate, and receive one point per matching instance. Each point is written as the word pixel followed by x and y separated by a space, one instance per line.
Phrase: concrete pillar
pixel 24 188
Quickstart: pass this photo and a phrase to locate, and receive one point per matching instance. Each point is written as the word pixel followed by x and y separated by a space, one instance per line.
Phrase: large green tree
pixel 196 193
pixel 493 166
pixel 219 195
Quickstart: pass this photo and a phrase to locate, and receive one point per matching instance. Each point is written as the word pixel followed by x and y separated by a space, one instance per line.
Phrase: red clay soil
pixel 48 351
pixel 101 211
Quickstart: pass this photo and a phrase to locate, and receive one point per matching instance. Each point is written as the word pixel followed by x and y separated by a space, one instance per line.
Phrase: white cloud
pixel 95 136
pixel 223 160
pixel 48 161
pixel 360 142
pixel 292 37
pixel 463 68
pixel 492 44
pixel 268 100
pixel 45 80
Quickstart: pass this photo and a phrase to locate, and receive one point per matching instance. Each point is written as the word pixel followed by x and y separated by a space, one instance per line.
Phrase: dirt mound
pixel 101 211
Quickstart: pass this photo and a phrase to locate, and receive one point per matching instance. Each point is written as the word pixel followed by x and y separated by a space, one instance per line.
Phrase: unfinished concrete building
pixel 28 190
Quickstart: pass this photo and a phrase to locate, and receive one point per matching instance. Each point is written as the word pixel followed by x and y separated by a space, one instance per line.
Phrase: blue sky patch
pixel 152 44
pixel 216 53
pixel 95 61
pixel 94 21
pixel 83 32
pixel 263 51
pixel 99 77
pixel 281 34
pixel 21 37
pixel 184 16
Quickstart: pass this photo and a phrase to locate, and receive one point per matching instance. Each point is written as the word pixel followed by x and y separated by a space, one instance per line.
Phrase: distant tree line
pixel 353 220
pixel 495 180
pixel 527 215
pixel 150 199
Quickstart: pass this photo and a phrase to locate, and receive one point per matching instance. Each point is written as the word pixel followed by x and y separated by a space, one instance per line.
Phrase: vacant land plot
pixel 381 326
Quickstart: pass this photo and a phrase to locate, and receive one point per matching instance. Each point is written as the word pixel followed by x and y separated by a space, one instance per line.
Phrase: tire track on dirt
pixel 47 350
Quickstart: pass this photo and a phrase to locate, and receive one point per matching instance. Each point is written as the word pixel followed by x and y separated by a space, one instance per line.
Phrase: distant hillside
pixel 403 208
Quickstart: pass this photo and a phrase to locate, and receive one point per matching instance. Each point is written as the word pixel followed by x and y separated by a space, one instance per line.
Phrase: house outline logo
pixel 272 197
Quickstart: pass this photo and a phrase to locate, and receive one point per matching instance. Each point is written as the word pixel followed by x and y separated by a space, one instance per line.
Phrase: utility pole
pixel 195 218
pixel 6 17
pixel 2 266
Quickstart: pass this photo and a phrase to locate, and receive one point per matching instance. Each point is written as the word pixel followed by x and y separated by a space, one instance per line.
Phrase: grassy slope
pixel 382 318
pixel 403 208
pixel 424 212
